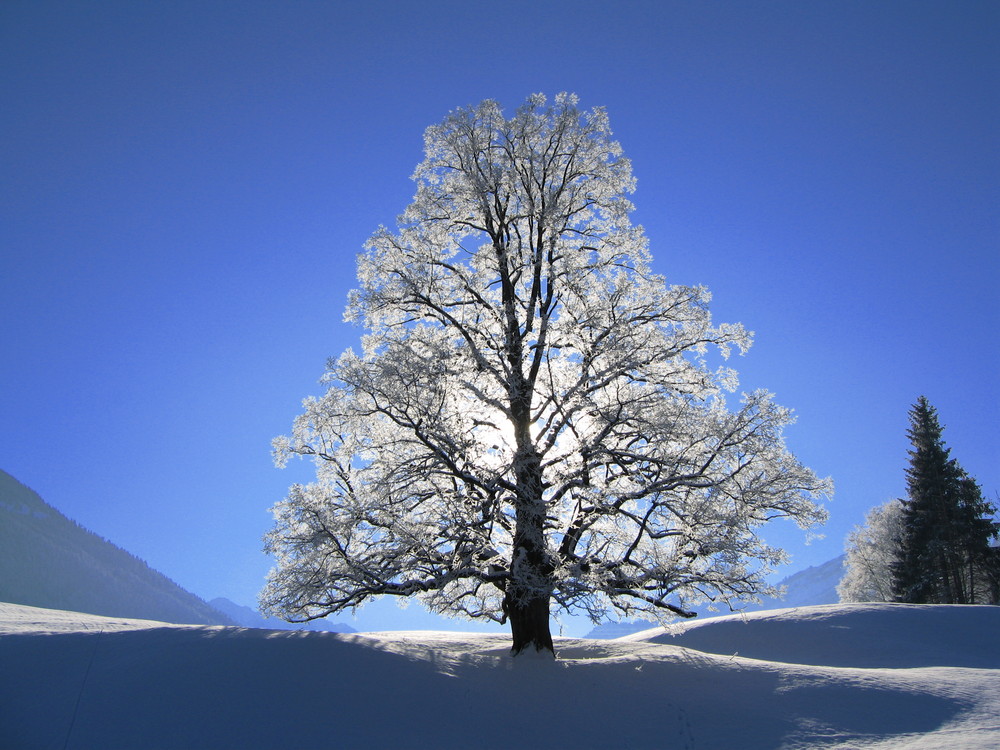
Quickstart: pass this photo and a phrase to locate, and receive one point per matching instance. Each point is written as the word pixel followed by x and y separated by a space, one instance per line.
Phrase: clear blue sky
pixel 184 187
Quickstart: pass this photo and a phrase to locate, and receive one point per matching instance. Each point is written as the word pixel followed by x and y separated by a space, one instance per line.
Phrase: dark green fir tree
pixel 945 555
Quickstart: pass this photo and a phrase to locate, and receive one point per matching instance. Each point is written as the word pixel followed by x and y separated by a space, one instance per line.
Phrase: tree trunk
pixel 526 600
pixel 529 626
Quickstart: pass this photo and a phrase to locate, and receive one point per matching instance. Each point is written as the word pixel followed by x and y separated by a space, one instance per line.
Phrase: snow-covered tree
pixel 531 419
pixel 872 550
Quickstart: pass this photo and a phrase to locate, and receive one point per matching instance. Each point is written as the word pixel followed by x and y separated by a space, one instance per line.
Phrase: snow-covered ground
pixel 847 676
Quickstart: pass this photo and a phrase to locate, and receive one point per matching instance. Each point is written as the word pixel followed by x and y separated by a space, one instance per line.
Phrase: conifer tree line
pixel 936 546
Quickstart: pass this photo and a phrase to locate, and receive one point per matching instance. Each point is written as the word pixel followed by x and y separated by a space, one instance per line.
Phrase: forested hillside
pixel 47 560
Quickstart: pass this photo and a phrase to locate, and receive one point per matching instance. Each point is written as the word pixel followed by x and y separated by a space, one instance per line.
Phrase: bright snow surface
pixel 846 676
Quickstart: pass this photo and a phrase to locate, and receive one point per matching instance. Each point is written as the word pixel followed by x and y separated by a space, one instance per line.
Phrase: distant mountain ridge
pixel 251 618
pixel 48 560
pixel 814 585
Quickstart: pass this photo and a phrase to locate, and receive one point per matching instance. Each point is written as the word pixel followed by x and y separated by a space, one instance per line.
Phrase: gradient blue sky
pixel 184 187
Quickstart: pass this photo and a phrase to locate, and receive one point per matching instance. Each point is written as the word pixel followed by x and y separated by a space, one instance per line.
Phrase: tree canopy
pixel 532 418
pixel 872 552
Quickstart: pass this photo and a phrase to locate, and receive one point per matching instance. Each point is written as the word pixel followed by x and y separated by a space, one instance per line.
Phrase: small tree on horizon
pixel 531 419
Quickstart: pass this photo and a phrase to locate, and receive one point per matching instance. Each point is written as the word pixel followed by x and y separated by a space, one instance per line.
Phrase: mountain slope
pixel 814 585
pixel 47 560
pixel 71 680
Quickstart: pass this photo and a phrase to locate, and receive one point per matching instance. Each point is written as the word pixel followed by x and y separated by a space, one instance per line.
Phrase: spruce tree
pixel 976 529
pixel 945 552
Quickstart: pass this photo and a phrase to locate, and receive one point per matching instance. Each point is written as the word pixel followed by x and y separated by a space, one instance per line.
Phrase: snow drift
pixel 858 676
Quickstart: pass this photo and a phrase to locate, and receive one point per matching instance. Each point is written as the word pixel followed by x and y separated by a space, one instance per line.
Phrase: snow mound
pixel 848 635
pixel 81 681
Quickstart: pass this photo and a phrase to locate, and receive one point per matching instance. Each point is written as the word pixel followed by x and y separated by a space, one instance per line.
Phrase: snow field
pixel 845 676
